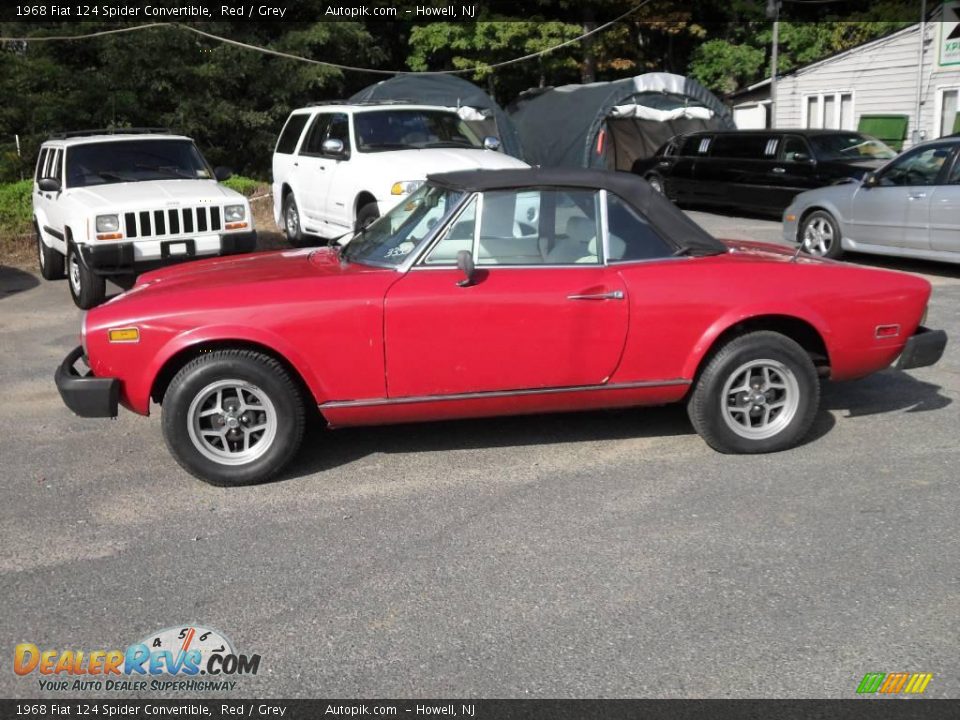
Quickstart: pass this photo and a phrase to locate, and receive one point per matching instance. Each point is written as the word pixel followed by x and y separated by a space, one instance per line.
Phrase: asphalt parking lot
pixel 594 555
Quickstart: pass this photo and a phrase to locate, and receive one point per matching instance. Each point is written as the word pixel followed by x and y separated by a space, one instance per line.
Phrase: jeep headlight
pixel 108 223
pixel 234 213
pixel 405 187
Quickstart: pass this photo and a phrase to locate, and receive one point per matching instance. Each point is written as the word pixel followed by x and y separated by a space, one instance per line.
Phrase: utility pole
pixel 917 134
pixel 773 13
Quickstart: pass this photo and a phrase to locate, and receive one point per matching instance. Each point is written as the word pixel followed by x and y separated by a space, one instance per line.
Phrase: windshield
pixel 850 146
pixel 379 130
pixel 392 237
pixel 134 161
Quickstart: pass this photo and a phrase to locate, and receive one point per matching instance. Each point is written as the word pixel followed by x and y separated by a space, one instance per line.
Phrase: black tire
pixel 87 288
pixel 292 227
pixel 821 226
pixel 366 215
pixel 716 407
pixel 656 182
pixel 278 395
pixel 50 260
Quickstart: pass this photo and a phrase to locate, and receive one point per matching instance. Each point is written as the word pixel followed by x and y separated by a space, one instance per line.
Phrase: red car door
pixel 542 312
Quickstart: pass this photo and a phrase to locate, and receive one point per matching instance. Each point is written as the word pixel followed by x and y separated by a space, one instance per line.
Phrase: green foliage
pixel 244 185
pixel 16 212
pixel 723 66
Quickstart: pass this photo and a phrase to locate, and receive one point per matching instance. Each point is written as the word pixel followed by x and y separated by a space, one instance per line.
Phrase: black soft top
pixel 670 221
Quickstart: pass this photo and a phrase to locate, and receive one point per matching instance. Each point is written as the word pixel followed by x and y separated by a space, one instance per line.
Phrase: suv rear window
pixel 291 133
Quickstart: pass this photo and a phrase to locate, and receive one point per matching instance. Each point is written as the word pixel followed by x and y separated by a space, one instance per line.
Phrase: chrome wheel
pixel 291 220
pixel 760 399
pixel 232 422
pixel 74 272
pixel 818 236
pixel 43 259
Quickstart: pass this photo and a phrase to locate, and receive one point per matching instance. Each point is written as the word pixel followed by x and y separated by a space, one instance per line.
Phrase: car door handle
pixel 779 170
pixel 612 295
pixel 918 196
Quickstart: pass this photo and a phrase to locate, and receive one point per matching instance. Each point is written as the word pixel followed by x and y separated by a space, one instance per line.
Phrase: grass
pixel 15 208
pixel 246 186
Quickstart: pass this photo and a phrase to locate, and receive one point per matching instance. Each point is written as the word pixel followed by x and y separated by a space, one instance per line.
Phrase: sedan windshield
pixel 391 238
pixel 411 129
pixel 850 146
pixel 134 161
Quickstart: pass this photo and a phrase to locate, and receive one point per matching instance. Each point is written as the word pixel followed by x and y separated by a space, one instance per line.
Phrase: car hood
pixel 417 164
pixel 835 194
pixel 235 272
pixel 860 163
pixel 154 194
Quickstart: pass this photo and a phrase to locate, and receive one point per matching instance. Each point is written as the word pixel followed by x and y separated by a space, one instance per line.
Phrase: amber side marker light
pixel 790 218
pixel 109 236
pixel 235 225
pixel 124 335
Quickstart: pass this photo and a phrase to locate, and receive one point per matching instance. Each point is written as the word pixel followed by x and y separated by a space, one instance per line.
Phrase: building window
pixel 832 111
pixel 948 112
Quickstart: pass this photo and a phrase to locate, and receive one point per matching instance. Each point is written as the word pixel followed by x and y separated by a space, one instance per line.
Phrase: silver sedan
pixel 910 208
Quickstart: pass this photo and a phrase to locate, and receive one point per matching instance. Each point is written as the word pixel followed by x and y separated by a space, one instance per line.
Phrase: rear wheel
pixel 758 394
pixel 86 287
pixel 233 417
pixel 820 235
pixel 50 261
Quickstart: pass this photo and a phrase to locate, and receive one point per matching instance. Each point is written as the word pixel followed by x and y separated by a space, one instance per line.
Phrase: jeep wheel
pixel 87 288
pixel 366 216
pixel 233 417
pixel 291 222
pixel 758 394
pixel 51 261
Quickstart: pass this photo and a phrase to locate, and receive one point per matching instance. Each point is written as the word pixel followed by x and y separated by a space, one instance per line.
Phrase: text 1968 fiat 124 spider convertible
pixel 492 293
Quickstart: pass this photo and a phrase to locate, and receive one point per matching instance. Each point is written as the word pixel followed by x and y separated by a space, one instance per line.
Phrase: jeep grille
pixel 158 223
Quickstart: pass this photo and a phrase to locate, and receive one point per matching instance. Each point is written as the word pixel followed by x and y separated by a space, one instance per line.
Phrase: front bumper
pixel 925 347
pixel 86 395
pixel 120 258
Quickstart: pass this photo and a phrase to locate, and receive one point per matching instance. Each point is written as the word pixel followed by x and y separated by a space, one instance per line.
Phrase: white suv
pixel 119 203
pixel 338 167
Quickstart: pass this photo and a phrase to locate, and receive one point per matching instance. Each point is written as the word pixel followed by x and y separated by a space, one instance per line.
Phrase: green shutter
pixel 892 129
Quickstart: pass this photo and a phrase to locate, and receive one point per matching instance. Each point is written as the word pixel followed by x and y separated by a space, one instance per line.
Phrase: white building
pixel 883 78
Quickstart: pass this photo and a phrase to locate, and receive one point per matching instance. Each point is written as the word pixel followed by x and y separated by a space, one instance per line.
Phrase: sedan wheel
pixel 758 393
pixel 820 235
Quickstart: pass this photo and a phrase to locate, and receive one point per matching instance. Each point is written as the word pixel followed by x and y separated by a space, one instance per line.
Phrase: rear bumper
pixel 120 258
pixel 925 347
pixel 86 395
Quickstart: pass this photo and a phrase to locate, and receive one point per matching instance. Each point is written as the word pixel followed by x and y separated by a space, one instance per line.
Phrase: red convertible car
pixel 493 293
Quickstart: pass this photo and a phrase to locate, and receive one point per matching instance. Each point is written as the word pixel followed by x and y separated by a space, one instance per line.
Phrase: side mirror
pixel 491 143
pixel 222 173
pixel 802 157
pixel 332 146
pixel 49 185
pixel 869 180
pixel 465 263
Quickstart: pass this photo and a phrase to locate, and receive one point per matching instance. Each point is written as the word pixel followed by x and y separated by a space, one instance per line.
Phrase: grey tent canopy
pixel 612 124
pixel 486 118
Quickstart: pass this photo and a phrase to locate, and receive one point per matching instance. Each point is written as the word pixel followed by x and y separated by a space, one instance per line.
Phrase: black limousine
pixel 758 170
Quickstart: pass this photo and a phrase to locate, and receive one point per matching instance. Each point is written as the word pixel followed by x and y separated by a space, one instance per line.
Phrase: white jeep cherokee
pixel 338 167
pixel 119 203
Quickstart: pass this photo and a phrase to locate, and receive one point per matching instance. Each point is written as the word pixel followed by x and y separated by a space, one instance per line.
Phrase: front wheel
pixel 233 417
pixel 291 222
pixel 820 235
pixel 86 287
pixel 366 216
pixel 758 394
pixel 50 261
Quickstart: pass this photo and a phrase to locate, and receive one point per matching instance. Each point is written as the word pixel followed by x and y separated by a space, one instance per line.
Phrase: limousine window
pixel 696 145
pixel 794 147
pixel 850 146
pixel 746 147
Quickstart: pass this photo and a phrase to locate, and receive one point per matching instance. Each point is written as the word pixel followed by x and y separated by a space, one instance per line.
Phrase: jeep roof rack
pixel 111 131
pixel 364 102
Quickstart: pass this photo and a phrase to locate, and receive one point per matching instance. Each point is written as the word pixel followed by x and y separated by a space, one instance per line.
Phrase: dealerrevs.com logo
pixel 185 658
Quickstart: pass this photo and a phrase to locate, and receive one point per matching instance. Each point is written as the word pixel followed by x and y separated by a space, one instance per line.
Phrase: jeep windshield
pixel 392 237
pixel 850 146
pixel 123 161
pixel 380 130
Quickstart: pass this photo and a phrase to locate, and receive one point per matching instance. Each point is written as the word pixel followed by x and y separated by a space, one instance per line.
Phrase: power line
pixel 350 68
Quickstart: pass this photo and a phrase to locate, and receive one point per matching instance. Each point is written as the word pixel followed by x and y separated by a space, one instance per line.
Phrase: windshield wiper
pixel 385 146
pixel 169 170
pixel 451 143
